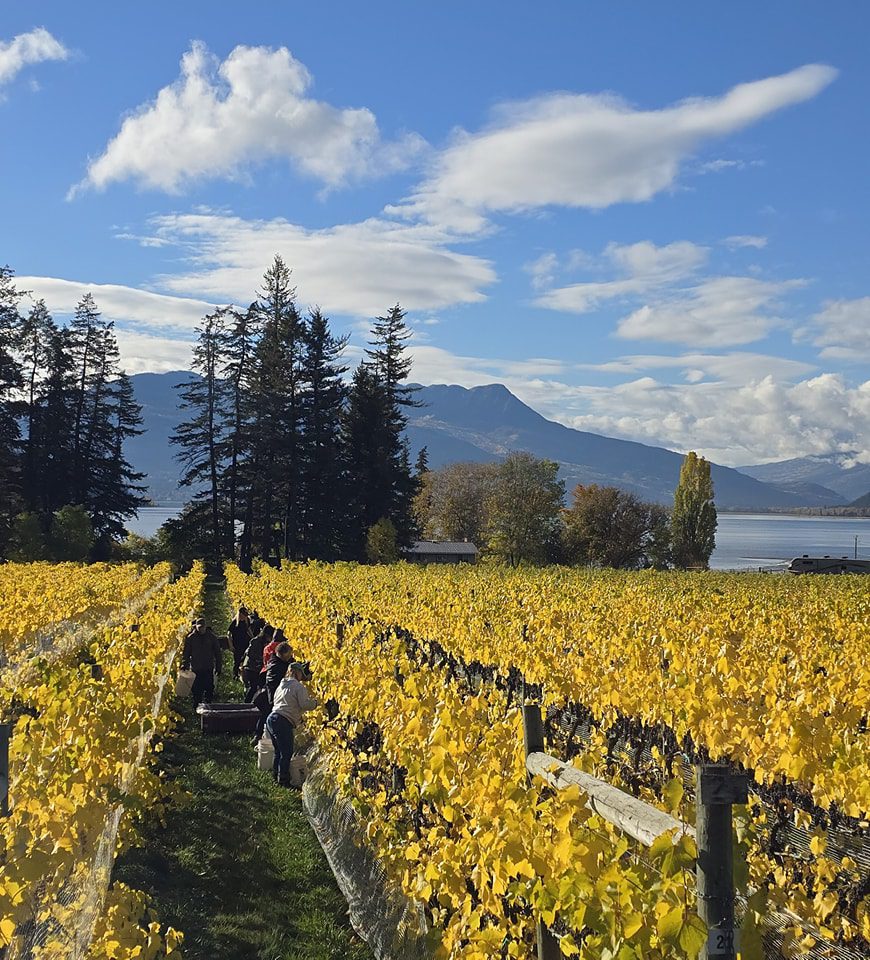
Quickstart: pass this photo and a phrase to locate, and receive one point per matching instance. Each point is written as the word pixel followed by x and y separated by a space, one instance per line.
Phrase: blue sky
pixel 647 220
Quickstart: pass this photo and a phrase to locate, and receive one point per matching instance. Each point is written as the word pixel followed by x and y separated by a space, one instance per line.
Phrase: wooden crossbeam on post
pixel 718 788
pixel 635 818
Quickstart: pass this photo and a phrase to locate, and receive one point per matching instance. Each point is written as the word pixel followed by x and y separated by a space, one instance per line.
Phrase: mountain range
pixel 838 472
pixel 486 423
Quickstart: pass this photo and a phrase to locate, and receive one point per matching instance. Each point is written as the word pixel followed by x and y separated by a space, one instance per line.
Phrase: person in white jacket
pixel 291 701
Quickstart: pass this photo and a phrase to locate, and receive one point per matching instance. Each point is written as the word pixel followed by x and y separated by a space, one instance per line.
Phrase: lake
pixel 744 541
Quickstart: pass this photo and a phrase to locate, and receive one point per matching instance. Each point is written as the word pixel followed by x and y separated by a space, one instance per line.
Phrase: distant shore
pixel 830 512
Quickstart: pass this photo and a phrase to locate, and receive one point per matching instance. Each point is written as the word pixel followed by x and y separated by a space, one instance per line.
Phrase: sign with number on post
pixel 722 942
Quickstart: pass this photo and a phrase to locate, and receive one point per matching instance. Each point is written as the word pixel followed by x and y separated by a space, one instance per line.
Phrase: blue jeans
pixel 281 731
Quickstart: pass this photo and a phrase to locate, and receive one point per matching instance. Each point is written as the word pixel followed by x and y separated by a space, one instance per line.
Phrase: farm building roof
pixel 443 546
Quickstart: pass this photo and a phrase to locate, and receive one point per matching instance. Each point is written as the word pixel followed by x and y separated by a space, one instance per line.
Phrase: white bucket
pixel 265 753
pixel 184 683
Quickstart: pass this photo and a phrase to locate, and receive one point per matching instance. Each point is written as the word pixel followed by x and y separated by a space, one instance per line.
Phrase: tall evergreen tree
pixel 57 423
pixel 36 340
pixel 275 421
pixel 103 415
pixel 203 437
pixel 84 334
pixel 390 367
pixel 241 337
pixel 693 520
pixel 10 385
pixel 367 459
pixel 323 500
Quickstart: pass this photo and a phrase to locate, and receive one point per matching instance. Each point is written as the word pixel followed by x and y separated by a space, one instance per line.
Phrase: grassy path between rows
pixel 237 867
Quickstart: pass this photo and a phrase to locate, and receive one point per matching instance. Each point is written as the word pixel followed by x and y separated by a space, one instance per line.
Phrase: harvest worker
pixel 240 634
pixel 291 701
pixel 252 663
pixel 202 654
pixel 276 670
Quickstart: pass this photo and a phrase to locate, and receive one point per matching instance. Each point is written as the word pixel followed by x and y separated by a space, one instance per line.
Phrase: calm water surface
pixel 744 541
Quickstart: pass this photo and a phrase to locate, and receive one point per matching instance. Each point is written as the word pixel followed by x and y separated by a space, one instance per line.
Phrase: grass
pixel 237 867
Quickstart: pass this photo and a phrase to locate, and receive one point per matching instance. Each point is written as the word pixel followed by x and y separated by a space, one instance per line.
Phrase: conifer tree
pixel 390 367
pixel 203 437
pixel 10 384
pixel 322 512
pixel 275 420
pixel 367 458
pixel 35 343
pixel 693 520
pixel 241 337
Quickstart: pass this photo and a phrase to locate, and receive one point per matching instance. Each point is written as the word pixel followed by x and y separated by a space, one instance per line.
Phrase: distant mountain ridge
pixel 848 482
pixel 484 424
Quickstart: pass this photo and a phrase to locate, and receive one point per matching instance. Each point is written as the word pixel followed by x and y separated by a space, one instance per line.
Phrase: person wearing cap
pixel 202 654
pixel 291 701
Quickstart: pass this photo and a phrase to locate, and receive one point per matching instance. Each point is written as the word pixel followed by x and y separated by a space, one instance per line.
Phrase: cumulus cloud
pixel 732 423
pixel 357 269
pixel 592 151
pixel 21 51
pixel 756 408
pixel 219 118
pixel 718 312
pixel 843 329
pixel 128 305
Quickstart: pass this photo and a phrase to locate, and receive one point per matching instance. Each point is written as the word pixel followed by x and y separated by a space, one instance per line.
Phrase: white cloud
pixel 718 312
pixel 357 269
pixel 736 367
pixel 36 46
pixel 220 118
pixel 120 303
pixel 581 150
pixel 542 270
pixel 843 329
pixel 745 240
pixel 144 353
pixel 767 413
pixel 645 266
pixel 732 423
pixel 718 165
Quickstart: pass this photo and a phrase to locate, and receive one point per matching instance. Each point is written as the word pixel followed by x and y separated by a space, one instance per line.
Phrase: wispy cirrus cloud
pixel 641 267
pixel 221 118
pixel 592 151
pixel 743 240
pixel 26 49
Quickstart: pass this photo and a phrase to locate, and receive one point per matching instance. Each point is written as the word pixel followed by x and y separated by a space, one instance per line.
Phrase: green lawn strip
pixel 237 868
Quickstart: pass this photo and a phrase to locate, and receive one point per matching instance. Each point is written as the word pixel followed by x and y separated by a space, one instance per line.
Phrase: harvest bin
pixel 228 717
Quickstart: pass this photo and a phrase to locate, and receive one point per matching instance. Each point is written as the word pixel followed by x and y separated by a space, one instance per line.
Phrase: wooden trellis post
pixel 718 788
pixel 533 735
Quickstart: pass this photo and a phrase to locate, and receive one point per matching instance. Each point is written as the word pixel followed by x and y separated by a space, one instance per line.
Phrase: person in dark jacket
pixel 276 668
pixel 240 635
pixel 275 671
pixel 202 654
pixel 252 662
